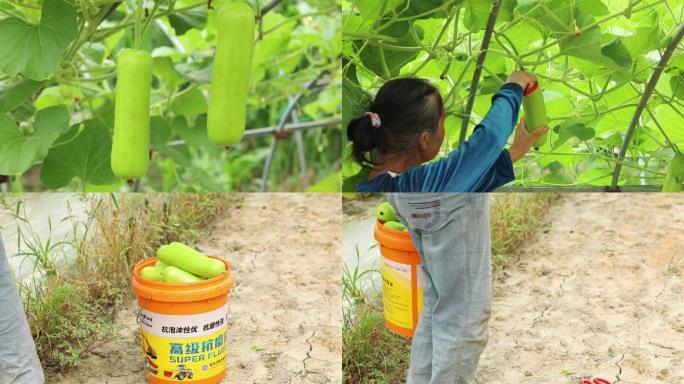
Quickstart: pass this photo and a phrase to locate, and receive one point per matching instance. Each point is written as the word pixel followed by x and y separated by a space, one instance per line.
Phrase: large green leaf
pixel 578 130
pixel 476 14
pixel 354 99
pixel 388 61
pixel 36 50
pixel 84 152
pixel 185 20
pixel 585 43
pixel 190 103
pixel 16 94
pixel 373 9
pixel 19 149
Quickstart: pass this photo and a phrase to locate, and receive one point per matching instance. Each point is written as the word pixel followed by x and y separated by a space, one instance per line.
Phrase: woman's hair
pixel 407 107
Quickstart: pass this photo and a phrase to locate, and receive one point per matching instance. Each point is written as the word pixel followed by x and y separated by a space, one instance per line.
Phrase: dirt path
pixel 284 319
pixel 599 293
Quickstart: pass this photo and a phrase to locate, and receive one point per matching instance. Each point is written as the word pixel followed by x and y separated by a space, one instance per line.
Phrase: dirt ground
pixel 599 293
pixel 284 311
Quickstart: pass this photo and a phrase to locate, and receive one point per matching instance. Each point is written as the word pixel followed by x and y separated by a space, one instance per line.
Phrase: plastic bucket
pixel 403 280
pixel 183 327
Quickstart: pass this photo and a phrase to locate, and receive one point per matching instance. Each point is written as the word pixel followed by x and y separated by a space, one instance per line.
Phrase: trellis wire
pixel 256 132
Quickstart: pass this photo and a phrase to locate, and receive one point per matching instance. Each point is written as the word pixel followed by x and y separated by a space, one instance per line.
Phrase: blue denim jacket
pixel 480 164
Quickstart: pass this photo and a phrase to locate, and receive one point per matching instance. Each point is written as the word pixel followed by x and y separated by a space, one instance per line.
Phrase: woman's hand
pixel 523 140
pixel 521 78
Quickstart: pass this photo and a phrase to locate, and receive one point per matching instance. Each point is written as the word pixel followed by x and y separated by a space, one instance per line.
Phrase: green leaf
pixel 190 103
pixel 372 9
pixel 163 69
pixel 586 44
pixel 36 50
pixel 577 130
pixel 646 38
pixel 330 183
pixel 476 14
pixel 84 152
pixel 553 16
pixel 617 52
pixel 160 131
pixel 354 99
pixel 423 9
pixel 592 7
pixel 16 94
pixel 386 62
pixel 188 19
pixel 198 72
pixel 19 150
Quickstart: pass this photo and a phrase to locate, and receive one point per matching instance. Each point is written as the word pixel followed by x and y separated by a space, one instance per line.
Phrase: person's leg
pixel 420 369
pixel 19 362
pixel 459 259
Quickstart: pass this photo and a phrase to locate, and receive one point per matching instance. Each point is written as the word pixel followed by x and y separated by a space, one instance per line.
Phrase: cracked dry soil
pixel 284 311
pixel 599 293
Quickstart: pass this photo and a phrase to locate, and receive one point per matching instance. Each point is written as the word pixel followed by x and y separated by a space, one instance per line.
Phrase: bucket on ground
pixel 403 280
pixel 183 327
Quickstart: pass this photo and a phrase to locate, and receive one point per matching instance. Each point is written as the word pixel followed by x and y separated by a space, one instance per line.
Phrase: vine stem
pixel 642 104
pixel 138 24
pixel 478 69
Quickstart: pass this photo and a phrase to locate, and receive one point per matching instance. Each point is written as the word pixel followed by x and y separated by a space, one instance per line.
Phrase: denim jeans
pixel 451 234
pixel 19 362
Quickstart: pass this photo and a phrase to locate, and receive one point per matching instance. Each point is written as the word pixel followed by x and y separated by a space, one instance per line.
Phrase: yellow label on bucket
pixel 396 293
pixel 184 347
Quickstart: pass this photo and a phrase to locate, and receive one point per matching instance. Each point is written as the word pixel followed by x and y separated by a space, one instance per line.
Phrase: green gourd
pixel 535 112
pixel 675 174
pixel 183 257
pixel 396 225
pixel 151 273
pixel 160 265
pixel 176 275
pixel 131 142
pixel 384 212
pixel 227 114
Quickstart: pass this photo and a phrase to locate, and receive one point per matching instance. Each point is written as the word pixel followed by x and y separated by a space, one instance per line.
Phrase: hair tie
pixel 375 119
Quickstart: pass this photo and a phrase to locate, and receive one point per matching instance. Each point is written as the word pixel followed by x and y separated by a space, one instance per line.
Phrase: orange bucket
pixel 183 327
pixel 403 280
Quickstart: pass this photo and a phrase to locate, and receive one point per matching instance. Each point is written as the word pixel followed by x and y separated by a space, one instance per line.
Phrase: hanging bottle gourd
pixel 535 111
pixel 230 75
pixel 131 141
pixel 675 174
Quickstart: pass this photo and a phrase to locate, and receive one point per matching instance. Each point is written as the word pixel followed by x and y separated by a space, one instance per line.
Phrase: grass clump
pixel 514 219
pixel 370 352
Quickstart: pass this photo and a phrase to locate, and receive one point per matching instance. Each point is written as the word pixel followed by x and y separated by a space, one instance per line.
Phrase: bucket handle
pixel 140 309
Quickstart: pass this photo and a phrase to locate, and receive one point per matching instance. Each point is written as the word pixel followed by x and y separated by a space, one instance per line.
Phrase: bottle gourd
pixel 227 112
pixel 535 111
pixel 131 142
pixel 181 256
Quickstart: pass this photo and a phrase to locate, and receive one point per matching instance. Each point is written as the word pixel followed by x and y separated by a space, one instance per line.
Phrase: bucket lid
pixel 180 292
pixel 392 238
